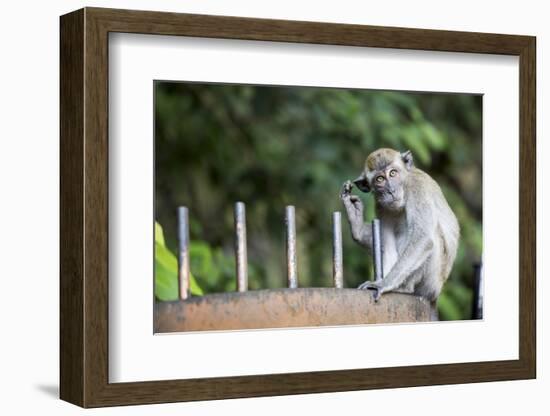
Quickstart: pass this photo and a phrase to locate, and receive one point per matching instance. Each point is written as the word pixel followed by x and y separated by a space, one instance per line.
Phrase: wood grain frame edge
pixel 84 285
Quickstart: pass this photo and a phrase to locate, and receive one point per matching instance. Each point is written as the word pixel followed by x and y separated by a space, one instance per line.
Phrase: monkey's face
pixel 385 173
pixel 387 185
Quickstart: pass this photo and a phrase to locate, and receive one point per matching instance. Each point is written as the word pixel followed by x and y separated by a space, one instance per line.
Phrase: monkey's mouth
pixel 388 195
pixel 389 199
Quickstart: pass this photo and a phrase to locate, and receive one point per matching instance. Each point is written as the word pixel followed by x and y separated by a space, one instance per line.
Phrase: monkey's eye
pixel 379 179
pixel 393 172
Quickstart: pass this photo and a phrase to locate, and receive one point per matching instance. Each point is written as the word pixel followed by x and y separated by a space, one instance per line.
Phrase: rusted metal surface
pixel 240 247
pixel 280 308
pixel 291 257
pixel 183 252
pixel 337 253
pixel 377 250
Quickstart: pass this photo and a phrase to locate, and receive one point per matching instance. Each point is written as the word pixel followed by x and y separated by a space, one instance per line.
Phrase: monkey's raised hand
pixel 352 203
pixel 346 188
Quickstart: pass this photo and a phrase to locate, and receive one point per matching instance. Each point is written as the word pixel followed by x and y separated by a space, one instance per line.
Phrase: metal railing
pixel 293 306
pixel 241 259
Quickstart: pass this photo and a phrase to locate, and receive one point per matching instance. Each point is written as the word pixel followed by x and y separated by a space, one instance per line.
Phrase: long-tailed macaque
pixel 419 230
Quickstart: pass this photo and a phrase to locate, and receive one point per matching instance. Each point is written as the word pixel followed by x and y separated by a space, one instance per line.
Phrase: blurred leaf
pixel 433 137
pixel 159 234
pixel 447 308
pixel 166 270
pixel 274 146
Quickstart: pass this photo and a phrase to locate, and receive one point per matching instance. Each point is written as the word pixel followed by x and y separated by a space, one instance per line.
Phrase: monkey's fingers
pixel 346 188
pixel 343 195
pixel 368 285
pixel 357 204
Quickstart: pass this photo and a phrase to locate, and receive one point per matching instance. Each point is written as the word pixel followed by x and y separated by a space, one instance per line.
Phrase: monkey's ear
pixel 407 158
pixel 362 183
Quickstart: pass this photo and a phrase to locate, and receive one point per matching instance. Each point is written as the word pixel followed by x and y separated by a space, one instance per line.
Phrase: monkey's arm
pixel 421 226
pixel 410 260
pixel 418 246
pixel 360 231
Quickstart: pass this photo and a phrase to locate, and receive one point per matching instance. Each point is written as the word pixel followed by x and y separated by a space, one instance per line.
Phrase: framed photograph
pixel 254 207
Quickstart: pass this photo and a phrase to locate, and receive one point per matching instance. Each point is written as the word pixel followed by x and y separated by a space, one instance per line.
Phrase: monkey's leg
pixel 405 272
pixel 410 285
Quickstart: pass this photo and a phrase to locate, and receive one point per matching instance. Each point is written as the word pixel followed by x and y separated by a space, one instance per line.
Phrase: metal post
pixel 337 256
pixel 183 252
pixel 477 304
pixel 377 250
pixel 240 247
pixel 291 257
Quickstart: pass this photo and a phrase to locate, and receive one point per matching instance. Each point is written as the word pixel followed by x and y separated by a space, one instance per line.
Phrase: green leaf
pixel 159 234
pixel 433 137
pixel 166 271
pixel 448 309
pixel 166 278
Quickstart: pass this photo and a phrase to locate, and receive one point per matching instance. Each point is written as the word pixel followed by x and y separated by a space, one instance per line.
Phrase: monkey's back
pixel 447 230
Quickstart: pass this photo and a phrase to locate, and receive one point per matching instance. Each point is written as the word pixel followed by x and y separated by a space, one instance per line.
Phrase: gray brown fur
pixel 420 232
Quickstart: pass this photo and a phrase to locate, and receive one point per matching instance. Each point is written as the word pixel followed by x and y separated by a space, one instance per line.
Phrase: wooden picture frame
pixel 84 207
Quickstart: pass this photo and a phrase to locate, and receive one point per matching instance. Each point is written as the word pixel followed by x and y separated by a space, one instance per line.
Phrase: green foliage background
pixel 269 146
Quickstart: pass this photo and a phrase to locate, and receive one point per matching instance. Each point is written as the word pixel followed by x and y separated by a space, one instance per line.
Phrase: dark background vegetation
pixel 275 146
